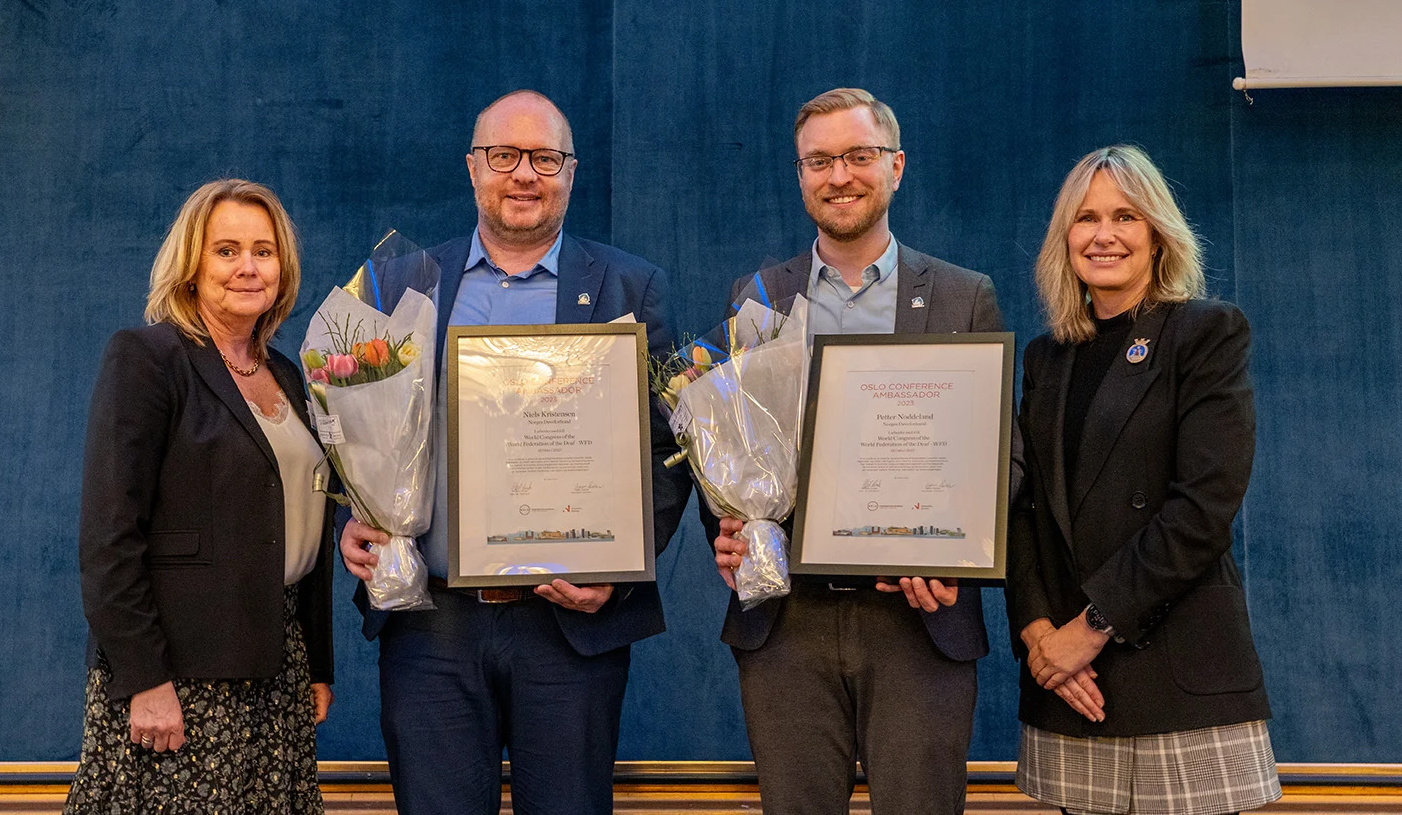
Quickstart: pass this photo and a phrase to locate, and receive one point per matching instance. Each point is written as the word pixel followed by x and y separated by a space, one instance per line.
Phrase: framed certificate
pixel 903 470
pixel 549 455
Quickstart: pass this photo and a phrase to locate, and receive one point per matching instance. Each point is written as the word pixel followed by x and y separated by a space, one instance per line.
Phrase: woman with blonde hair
pixel 1142 691
pixel 205 554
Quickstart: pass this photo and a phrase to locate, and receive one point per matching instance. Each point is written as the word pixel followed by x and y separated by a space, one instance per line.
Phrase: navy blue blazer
pixel 616 283
pixel 181 532
pixel 955 299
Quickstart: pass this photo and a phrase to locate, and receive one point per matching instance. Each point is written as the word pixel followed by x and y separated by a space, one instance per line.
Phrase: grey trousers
pixel 848 676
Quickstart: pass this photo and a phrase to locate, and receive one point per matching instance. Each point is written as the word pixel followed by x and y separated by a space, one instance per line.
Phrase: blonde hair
pixel 1177 263
pixel 172 297
pixel 847 99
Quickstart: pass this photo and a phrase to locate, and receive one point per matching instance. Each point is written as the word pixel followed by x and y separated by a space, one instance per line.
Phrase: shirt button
pixel 851 304
pixel 1138 500
pixel 506 284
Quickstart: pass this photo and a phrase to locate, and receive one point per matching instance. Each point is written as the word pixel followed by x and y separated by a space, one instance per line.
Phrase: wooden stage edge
pixel 722 788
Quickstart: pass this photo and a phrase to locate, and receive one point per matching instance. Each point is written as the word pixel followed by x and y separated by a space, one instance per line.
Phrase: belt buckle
pixel 508 594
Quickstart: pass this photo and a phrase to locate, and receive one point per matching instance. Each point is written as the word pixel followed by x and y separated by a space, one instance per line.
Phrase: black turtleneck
pixel 1093 359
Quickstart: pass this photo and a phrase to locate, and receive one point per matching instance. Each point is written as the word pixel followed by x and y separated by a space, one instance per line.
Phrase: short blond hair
pixel 849 99
pixel 172 297
pixel 1177 262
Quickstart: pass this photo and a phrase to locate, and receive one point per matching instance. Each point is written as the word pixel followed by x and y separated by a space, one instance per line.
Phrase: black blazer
pixel 181 532
pixel 932 296
pixel 1144 530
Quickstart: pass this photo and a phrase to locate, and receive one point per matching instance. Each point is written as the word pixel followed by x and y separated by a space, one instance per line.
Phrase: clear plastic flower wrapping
pixel 737 408
pixel 371 380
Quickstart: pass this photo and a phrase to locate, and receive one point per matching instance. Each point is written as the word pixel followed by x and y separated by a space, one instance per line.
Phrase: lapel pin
pixel 1138 352
pixel 583 300
pixel 918 302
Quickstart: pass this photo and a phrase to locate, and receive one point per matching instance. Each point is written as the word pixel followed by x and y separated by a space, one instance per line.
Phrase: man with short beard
pixel 538 672
pixel 847 670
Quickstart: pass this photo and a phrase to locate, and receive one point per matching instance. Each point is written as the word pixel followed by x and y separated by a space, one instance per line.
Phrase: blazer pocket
pixel 1208 638
pixel 174 549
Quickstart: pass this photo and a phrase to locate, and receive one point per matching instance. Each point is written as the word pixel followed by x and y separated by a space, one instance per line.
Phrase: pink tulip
pixel 318 375
pixel 341 366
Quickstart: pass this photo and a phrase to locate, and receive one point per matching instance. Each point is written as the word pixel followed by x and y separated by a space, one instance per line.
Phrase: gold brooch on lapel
pixel 1138 352
pixel 583 300
pixel 918 302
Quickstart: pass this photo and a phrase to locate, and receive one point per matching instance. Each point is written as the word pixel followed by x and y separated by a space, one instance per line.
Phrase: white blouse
pixel 303 508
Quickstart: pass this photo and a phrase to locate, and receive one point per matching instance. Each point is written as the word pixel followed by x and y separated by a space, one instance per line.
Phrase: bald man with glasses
pixel 538 672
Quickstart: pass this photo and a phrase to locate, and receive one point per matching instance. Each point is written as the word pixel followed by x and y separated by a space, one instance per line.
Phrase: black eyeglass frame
pixel 800 166
pixel 521 153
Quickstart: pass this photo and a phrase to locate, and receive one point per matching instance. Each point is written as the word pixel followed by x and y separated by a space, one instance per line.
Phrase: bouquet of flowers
pixel 371 380
pixel 735 399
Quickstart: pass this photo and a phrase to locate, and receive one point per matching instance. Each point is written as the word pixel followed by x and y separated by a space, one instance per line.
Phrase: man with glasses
pixel 852 670
pixel 538 672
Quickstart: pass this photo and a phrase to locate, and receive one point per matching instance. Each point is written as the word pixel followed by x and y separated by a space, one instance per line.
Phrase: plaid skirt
pixel 250 745
pixel 1209 771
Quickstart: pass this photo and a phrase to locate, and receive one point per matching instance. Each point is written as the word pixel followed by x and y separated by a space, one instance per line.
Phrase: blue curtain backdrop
pixel 359 115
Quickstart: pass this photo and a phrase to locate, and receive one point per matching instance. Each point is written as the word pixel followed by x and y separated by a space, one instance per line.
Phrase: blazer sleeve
pixel 1215 444
pixel 1025 592
pixel 986 314
pixel 314 606
pixel 133 404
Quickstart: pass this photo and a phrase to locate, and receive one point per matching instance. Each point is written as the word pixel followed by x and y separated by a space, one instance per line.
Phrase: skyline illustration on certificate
pixel 901 532
pixel 552 535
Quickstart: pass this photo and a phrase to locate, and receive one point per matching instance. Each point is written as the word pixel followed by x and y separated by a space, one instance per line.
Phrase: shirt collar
pixel 885 265
pixel 550 263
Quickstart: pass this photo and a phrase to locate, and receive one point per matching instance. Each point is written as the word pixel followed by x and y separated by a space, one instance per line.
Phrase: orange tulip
pixel 376 353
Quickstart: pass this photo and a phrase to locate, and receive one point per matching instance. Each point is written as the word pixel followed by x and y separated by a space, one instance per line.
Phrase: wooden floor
pixel 728 788
pixel 692 799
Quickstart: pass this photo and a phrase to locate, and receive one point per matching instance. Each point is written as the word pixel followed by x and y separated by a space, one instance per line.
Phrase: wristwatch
pixel 1097 621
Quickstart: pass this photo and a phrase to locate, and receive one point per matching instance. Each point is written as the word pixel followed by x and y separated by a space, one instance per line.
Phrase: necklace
pixel 240 371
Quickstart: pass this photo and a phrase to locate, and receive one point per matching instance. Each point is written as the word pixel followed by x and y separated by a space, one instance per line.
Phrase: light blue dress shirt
pixel 487 296
pixel 833 308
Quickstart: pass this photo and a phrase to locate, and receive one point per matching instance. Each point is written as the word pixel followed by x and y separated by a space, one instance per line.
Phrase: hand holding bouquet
pixel 371 382
pixel 736 402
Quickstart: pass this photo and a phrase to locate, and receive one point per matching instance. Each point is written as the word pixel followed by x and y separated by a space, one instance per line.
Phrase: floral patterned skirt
pixel 250 746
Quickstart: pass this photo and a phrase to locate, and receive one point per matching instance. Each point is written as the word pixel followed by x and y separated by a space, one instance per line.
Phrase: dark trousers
pixel 850 676
pixel 459 683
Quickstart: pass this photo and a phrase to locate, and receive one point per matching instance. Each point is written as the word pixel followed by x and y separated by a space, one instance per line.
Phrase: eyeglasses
pixel 503 158
pixel 855 158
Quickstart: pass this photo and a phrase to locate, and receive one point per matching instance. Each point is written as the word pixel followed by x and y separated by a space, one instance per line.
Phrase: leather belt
pixel 837 583
pixel 503 594
pixel 507 594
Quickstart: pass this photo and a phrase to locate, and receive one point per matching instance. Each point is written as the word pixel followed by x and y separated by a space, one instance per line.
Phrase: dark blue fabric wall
pixel 1318 181
pixel 359 114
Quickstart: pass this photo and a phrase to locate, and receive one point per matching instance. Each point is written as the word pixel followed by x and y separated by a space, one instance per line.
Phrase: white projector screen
pixel 1320 43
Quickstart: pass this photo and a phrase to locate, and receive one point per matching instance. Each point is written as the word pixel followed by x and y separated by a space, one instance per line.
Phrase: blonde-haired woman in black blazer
pixel 205 554
pixel 1142 691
